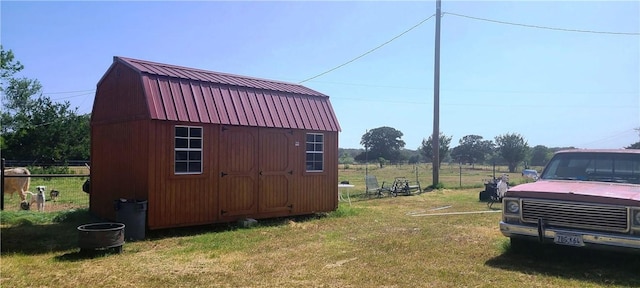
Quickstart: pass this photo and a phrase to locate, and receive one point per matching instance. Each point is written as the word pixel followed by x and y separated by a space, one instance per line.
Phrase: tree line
pixel 34 127
pixel 385 145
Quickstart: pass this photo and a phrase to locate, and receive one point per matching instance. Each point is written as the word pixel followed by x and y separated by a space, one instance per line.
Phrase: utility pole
pixel 436 102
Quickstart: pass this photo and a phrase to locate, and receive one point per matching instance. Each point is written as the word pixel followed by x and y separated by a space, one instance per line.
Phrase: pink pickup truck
pixel 584 198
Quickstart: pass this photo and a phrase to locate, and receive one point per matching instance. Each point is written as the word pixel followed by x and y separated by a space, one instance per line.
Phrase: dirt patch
pixel 49 206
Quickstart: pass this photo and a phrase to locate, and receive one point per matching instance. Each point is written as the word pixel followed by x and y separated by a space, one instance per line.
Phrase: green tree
pixel 472 149
pixel 33 126
pixel 426 149
pixel 382 142
pixel 8 65
pixel 382 161
pixel 345 159
pixel 513 148
pixel 634 146
pixel 351 152
pixel 458 155
pixel 540 155
pixel 412 156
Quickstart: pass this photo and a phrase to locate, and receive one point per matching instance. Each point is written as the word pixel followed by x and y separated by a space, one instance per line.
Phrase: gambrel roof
pixel 182 94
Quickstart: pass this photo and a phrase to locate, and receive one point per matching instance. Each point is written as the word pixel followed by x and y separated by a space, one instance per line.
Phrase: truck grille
pixel 576 215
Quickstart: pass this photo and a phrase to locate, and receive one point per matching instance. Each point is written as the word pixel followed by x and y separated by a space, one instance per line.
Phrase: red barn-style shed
pixel 205 147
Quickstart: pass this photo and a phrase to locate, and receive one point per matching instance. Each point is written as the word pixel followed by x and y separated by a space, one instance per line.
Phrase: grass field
pixel 451 176
pixel 406 241
pixel 70 196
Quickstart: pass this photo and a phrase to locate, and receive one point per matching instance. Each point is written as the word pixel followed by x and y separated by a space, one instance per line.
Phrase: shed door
pixel 238 171
pixel 275 170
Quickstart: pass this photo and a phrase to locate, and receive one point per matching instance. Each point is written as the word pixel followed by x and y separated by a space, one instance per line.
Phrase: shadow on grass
pixel 84 255
pixel 225 227
pixel 360 197
pixel 32 233
pixel 30 237
pixel 24 234
pixel 598 267
pixel 38 239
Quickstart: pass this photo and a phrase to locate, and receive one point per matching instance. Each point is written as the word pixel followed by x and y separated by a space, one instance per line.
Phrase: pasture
pixel 70 194
pixel 405 241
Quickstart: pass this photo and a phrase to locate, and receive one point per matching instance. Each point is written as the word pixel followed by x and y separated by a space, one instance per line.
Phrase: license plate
pixel 568 239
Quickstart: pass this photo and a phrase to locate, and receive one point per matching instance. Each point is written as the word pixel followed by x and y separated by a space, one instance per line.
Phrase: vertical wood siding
pixel 118 97
pixel 238 171
pixel 276 170
pixel 318 191
pixel 119 165
pixel 264 174
pixel 181 200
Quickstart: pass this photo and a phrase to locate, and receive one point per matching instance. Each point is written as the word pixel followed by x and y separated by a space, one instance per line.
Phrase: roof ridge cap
pixel 127 59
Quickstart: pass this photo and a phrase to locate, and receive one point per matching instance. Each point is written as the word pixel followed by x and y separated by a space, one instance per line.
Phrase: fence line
pixel 46 176
pixel 22 163
pixel 63 191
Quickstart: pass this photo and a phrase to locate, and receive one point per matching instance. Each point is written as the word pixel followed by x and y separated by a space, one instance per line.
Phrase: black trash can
pixel 133 214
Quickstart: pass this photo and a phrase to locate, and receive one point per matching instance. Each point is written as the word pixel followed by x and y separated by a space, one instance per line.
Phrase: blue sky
pixel 555 88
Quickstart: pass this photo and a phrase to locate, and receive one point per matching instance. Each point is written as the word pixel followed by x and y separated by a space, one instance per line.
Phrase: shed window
pixel 188 150
pixel 315 152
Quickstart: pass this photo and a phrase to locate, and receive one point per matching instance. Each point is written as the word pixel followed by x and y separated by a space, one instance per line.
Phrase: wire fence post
pixel 2 182
pixel 460 174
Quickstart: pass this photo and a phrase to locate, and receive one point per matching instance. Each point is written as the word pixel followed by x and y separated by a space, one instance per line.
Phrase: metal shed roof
pixel 184 94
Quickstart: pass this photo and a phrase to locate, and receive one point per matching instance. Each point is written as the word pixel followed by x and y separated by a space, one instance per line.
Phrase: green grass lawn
pixel 70 196
pixel 405 241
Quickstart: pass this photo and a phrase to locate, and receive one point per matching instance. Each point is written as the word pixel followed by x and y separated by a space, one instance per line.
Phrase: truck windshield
pixel 602 167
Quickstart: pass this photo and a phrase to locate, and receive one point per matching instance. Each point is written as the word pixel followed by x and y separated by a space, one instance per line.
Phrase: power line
pixel 544 27
pixel 371 85
pixel 608 137
pixel 66 92
pixel 469 17
pixel 368 52
pixel 478 91
pixel 74 96
pixel 489 105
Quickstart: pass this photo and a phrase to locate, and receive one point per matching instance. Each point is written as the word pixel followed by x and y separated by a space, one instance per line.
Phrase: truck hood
pixel 616 193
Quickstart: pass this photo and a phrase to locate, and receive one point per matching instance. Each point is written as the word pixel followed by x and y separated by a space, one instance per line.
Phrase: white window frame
pixel 314 144
pixel 189 138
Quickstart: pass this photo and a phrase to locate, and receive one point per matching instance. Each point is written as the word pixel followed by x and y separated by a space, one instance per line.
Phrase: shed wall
pixel 318 191
pixel 134 160
pixel 119 97
pixel 119 165
pixel 181 200
pixel 244 175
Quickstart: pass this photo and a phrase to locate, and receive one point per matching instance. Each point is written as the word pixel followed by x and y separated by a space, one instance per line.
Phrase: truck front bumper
pixel 589 238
